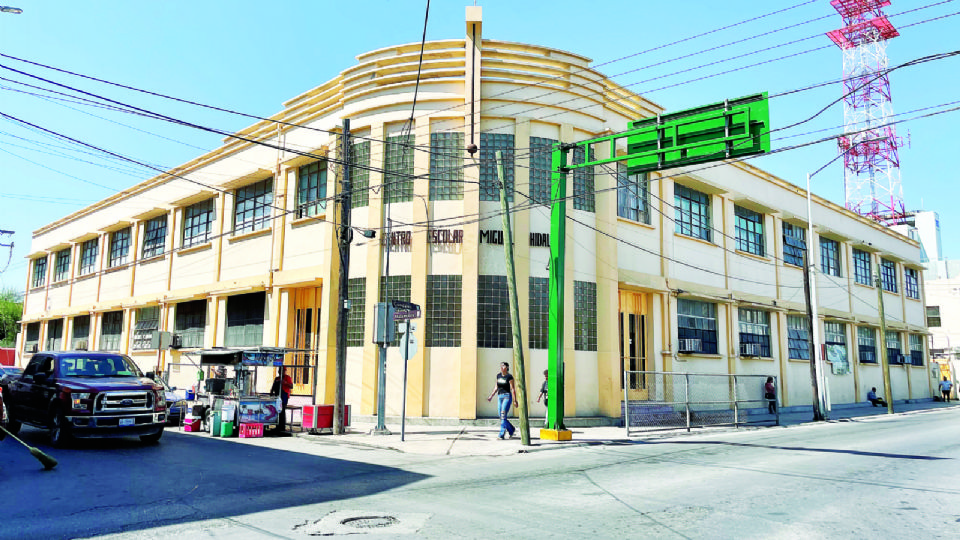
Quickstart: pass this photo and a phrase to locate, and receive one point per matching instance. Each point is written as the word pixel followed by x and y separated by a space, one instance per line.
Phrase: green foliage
pixel 11 310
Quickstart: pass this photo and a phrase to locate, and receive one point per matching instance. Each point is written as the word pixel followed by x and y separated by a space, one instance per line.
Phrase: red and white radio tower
pixel 871 161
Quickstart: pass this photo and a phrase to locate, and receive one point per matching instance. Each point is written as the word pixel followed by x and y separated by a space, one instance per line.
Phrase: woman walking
pixel 770 394
pixel 506 392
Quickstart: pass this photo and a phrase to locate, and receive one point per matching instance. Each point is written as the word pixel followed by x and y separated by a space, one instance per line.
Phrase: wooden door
pixel 633 343
pixel 303 334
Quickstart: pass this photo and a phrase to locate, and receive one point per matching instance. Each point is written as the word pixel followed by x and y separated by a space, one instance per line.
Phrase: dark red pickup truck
pixel 85 394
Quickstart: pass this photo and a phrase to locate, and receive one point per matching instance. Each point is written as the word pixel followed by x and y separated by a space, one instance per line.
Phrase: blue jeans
pixel 503 402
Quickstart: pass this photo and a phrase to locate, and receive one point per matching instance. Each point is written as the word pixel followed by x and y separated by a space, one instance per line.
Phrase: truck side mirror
pixel 151 375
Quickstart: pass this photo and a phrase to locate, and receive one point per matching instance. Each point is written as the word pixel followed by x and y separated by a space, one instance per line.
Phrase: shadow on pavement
pixel 805 449
pixel 105 486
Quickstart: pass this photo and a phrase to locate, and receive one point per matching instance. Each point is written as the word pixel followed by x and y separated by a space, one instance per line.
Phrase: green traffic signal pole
pixel 558 245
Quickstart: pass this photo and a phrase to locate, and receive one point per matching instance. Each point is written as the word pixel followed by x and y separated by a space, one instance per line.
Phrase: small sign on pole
pixel 404 311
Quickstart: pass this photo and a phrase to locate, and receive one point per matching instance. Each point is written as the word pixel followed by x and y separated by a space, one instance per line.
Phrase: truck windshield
pixel 98 366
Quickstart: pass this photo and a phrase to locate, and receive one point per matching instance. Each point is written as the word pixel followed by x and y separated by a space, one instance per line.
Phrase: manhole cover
pixel 370 522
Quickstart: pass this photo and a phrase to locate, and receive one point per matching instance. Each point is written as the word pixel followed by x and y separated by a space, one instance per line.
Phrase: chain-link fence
pixel 655 400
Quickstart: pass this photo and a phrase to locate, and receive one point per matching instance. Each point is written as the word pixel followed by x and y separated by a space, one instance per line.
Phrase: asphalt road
pixel 877 477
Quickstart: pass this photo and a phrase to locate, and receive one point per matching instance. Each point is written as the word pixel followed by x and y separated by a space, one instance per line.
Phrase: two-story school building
pixel 688 270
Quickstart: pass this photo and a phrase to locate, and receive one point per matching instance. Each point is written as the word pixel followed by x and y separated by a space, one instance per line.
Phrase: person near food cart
pixel 282 386
pixel 506 392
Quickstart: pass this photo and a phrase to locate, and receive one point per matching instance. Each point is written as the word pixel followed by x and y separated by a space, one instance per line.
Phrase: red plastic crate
pixel 192 425
pixel 250 431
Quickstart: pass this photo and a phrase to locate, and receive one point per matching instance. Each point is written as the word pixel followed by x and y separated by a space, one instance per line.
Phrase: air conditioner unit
pixel 690 346
pixel 81 345
pixel 749 349
pixel 176 341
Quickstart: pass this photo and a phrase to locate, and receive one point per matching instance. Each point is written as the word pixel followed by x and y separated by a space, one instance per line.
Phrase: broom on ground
pixel 47 461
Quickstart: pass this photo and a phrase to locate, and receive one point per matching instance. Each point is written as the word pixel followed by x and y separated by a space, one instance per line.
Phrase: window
pixel 867 344
pixel 916 349
pixel 749 229
pixel 692 213
pixel 312 189
pixel 794 244
pixel 541 168
pixel 894 350
pixel 357 293
pixel 830 256
pixel 61 266
pixel 197 223
pixel 798 337
pixel 585 316
pixel 888 275
pixel 253 207
pixel 88 256
pixel 32 339
pixel 119 248
pixel 190 322
pixel 446 166
pixel 494 327
pixel 395 288
pixel 834 333
pixel 360 174
pixel 154 237
pixel 633 195
pixel 398 168
pixel 584 194
pixel 539 313
pixel 148 321
pixel 697 326
pixel 39 272
pixel 835 338
pixel 489 183
pixel 111 328
pixel 81 333
pixel 54 335
pixel 861 267
pixel 933 316
pixel 444 311
pixel 911 283
pixel 245 316
pixel 754 332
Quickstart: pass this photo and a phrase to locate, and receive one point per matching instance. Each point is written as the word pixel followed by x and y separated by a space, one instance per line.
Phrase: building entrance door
pixel 302 334
pixel 633 342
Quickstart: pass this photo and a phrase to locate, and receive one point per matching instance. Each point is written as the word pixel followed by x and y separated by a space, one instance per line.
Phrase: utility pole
pixel 514 308
pixel 344 236
pixel 809 290
pixel 818 414
pixel 884 361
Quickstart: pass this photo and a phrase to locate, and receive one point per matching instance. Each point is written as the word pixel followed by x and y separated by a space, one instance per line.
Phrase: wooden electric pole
pixel 344 236
pixel 818 413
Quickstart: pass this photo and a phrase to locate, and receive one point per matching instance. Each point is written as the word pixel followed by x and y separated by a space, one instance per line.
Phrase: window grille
pixel 494 328
pixel 88 256
pixel 867 344
pixel 633 195
pixel 798 337
pixel 888 275
pixel 755 330
pixel 39 272
pixel 360 174
pixel 698 320
pixel 245 316
pixel 794 244
pixel 584 193
pixel 749 229
pixel 444 311
pixel 154 237
pixel 911 283
pixel 541 168
pixel 190 323
pixel 61 269
pixel 119 247
pixel 398 168
pixel 253 207
pixel 861 267
pixel 197 223
pixel 539 313
pixel 148 321
pixel 111 328
pixel 357 293
pixel 692 213
pixel 830 256
pixel 312 189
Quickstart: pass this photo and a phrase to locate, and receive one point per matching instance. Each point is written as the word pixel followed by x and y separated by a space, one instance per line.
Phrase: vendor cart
pixel 236 398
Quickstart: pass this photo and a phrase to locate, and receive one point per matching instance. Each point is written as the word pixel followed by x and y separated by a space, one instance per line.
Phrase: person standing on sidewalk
pixel 945 386
pixel 770 394
pixel 543 394
pixel 506 392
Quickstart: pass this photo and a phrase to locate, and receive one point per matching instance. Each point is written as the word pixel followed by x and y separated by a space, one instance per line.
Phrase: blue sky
pixel 251 56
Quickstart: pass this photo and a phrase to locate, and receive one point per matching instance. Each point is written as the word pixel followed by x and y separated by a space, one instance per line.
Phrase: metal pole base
pixel 556 435
pixel 380 431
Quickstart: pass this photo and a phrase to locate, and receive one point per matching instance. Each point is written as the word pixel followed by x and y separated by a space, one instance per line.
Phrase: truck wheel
pixel 153 438
pixel 9 423
pixel 59 429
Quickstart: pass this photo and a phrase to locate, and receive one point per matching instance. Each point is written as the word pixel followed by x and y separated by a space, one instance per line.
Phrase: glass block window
pixel 245 316
pixel 798 337
pixel 867 344
pixel 692 213
pixel 754 332
pixel 749 229
pixel 861 267
pixel 81 333
pixel 633 195
pixel 541 167
pixel 119 248
pixel 585 316
pixel 830 256
pixel 395 288
pixel 697 326
pixel 494 328
pixel 794 244
pixel 88 256
pixel 539 313
pixel 197 223
pixel 54 335
pixel 584 193
pixel 490 143
pixel 190 321
pixel 911 283
pixel 398 168
pixel 312 189
pixel 446 166
pixel 360 173
pixel 111 328
pixel 32 339
pixel 253 205
pixel 357 294
pixel 148 321
pixel 894 348
pixel 888 275
pixel 39 272
pixel 154 237
pixel 916 349
pixel 444 311
pixel 933 316
pixel 61 265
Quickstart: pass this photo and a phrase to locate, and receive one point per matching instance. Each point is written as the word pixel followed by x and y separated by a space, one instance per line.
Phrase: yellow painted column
pixel 521 238
pixel 569 335
pixel 608 288
pixel 368 389
pixel 418 376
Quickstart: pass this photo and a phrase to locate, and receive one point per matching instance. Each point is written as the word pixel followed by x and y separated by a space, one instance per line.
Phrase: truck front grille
pixel 124 401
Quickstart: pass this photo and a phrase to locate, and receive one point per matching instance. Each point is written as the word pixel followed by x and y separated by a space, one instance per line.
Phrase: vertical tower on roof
pixel 871 161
